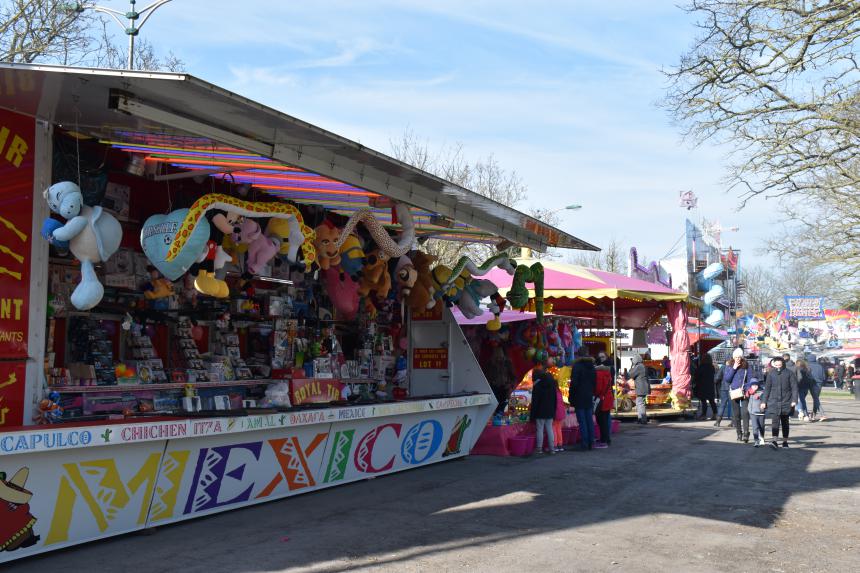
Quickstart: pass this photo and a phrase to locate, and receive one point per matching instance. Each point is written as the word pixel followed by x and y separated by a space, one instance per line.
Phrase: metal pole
pixel 614 341
pixel 130 65
pixel 614 355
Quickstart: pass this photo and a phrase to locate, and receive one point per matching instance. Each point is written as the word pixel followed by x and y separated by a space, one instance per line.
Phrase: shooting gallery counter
pixel 71 483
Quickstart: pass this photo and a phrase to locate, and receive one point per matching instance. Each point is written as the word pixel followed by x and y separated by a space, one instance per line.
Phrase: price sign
pixel 434 313
pixel 430 358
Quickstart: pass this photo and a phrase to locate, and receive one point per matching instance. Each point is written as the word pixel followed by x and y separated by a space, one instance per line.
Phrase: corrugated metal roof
pixel 110 104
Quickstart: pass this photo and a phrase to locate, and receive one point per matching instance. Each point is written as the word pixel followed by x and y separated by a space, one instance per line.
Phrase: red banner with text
pixel 17 137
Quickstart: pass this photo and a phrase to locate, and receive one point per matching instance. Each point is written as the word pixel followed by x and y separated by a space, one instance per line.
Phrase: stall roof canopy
pixel 585 292
pixel 189 123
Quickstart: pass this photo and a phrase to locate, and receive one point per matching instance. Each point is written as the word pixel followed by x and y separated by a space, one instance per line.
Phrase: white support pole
pixel 37 325
pixel 614 340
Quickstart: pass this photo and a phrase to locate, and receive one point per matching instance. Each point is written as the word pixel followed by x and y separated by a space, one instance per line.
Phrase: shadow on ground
pixel 671 469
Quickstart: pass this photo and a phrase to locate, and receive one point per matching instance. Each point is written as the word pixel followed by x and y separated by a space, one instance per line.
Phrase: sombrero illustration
pixel 16 522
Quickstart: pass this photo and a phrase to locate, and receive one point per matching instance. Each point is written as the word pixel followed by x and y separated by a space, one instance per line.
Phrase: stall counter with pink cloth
pixel 495 440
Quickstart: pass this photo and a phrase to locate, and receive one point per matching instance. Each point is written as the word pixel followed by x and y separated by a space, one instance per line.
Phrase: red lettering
pixel 363 457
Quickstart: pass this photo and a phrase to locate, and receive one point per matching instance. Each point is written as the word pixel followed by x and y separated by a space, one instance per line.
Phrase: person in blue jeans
pixel 725 409
pixel 582 381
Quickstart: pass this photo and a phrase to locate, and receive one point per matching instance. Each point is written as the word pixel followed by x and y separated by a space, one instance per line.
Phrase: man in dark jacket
pixel 639 376
pixel 582 381
pixel 543 406
pixel 779 399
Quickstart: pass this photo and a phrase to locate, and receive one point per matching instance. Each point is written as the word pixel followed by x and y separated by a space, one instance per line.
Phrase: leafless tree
pixel 612 257
pixel 761 290
pixel 825 234
pixel 44 30
pixel 484 176
pixel 145 57
pixel 779 80
pixel 49 31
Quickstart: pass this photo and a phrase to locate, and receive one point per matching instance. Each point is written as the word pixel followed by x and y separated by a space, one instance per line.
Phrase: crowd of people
pixel 779 391
pixel 591 396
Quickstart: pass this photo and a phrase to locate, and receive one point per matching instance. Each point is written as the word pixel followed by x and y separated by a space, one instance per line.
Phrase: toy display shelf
pixel 145 387
pixel 180 385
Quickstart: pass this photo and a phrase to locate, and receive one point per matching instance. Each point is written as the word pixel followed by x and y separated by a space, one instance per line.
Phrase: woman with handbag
pixel 736 375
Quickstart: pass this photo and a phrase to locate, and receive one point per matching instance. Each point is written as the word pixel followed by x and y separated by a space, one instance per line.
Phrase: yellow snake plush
pixel 300 235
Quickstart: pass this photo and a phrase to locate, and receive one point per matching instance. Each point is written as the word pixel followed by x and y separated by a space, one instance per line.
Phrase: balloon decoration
pixel 385 243
pixel 518 295
pixel 92 234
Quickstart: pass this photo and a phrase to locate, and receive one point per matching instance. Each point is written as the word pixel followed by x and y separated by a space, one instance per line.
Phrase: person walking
pixel 840 375
pixel 604 391
pixel 542 410
pixel 779 399
pixel 583 379
pixel 789 363
pixel 805 382
pixel 704 383
pixel 725 403
pixel 754 392
pixel 737 375
pixel 638 376
pixel 818 374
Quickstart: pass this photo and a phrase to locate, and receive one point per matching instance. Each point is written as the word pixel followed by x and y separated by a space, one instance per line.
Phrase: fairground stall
pixel 602 300
pixel 506 354
pixel 206 304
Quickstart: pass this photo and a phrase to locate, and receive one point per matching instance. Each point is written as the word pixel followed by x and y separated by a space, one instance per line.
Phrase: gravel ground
pixel 676 496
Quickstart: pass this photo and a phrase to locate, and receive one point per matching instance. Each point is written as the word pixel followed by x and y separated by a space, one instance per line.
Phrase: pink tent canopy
pixel 583 292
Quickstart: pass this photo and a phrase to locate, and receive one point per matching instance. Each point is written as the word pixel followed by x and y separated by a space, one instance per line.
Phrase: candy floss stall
pixel 207 304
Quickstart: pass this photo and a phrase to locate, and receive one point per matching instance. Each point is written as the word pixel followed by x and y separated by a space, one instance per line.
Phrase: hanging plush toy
pixel 448 288
pixel 93 235
pixel 325 241
pixel 465 264
pixel 285 232
pixel 518 295
pixel 380 236
pixel 474 291
pixel 261 248
pixel 375 277
pixel 342 291
pixel 158 289
pixel 496 306
pixel 190 239
pixel 352 257
pixel 421 293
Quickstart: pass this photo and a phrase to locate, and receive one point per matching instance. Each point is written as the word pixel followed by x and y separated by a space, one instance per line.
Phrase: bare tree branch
pixel 779 80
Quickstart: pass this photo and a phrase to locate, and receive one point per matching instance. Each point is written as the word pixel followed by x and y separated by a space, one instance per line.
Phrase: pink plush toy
pixel 261 249
pixel 343 292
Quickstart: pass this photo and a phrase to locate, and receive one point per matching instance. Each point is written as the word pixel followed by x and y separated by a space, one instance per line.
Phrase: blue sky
pixel 562 92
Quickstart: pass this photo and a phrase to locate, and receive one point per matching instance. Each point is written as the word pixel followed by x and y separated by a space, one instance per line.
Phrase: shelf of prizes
pixel 188 326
